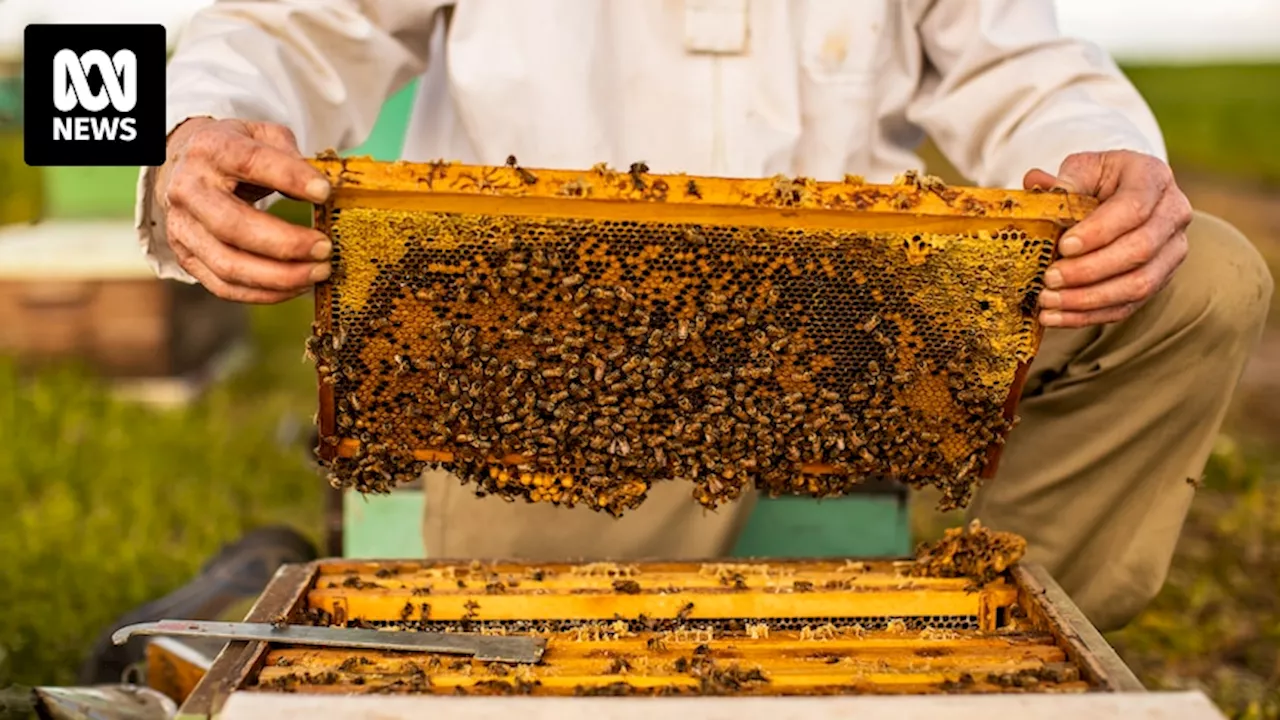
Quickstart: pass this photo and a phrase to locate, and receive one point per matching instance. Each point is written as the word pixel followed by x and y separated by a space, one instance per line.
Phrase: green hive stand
pixel 874 523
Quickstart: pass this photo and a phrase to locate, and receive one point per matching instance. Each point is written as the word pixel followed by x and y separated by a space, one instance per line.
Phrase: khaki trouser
pixel 1115 422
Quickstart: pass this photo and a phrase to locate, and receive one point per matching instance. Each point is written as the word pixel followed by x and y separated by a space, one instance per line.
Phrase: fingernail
pixel 320 273
pixel 1050 299
pixel 322 250
pixel 1053 278
pixel 1070 245
pixel 317 190
pixel 1050 318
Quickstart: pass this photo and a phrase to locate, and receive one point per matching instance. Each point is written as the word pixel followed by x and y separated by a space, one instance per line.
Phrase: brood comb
pixel 574 336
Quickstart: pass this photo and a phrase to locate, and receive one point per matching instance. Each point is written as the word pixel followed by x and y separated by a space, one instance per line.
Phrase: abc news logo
pixel 71 91
pixel 94 95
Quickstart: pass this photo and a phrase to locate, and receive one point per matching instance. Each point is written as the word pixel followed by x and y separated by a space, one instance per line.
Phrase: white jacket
pixel 740 88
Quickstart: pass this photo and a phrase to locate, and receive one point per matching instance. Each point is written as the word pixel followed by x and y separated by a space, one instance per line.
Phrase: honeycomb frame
pixel 821 332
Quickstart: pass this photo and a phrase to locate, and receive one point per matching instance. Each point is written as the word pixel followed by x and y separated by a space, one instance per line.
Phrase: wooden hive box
pixel 829 628
pixel 82 290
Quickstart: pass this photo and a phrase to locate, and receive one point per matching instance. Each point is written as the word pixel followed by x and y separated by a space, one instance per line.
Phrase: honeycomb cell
pixel 572 357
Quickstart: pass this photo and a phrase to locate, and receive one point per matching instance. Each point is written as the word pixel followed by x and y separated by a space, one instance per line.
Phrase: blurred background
pixel 144 426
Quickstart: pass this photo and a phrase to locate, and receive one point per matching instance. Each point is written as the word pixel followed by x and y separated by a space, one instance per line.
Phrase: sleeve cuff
pixel 152 237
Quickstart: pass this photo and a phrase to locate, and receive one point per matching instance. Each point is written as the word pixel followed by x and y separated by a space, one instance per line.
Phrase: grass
pixel 109 505
pixel 1217 119
pixel 1216 624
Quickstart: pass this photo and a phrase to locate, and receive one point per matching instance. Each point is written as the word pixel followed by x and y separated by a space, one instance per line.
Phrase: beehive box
pixel 81 290
pixel 758 628
pixel 574 336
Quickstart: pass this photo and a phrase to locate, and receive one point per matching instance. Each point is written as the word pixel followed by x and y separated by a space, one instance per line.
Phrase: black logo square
pixel 94 95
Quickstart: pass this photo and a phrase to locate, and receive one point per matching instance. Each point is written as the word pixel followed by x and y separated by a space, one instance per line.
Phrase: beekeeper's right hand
pixel 214 171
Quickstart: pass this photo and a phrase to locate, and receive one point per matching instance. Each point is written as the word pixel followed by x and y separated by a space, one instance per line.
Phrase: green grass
pixel 1216 624
pixel 1217 119
pixel 109 504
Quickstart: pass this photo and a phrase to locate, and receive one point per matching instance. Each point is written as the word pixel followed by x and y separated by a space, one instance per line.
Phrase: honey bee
pixel 637 172
pixel 525 176
pixel 685 612
pixel 691 189
pixel 309 349
pixel 574 188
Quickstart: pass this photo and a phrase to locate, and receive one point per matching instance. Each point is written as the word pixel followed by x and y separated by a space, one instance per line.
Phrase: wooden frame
pixel 1045 603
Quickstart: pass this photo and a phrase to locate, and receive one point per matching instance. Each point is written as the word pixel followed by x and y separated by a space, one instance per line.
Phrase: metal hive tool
pixel 574 336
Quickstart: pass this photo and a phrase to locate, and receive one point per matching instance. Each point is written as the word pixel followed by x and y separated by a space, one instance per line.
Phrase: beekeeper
pixel 1152 310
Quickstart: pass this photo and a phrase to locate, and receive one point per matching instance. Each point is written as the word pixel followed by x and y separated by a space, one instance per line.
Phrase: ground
pixel 112 505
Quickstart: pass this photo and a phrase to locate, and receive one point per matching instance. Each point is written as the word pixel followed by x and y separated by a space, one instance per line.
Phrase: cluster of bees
pixel 1024 680
pixel 577 362
pixel 975 552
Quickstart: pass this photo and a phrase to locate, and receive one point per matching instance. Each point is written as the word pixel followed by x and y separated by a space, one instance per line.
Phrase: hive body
pixel 574 337
pixel 781 628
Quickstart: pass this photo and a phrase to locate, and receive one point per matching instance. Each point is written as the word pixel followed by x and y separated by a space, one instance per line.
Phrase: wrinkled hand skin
pixel 1127 250
pixel 214 171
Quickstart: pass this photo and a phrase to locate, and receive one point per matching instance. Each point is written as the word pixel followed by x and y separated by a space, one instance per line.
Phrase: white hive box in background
pixel 82 290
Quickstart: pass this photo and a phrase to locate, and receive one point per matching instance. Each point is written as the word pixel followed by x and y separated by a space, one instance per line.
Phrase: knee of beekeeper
pixel 1128 588
pixel 1222 291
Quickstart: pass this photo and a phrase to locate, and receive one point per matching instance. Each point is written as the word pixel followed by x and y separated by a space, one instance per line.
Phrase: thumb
pixel 1082 173
pixel 277 136
pixel 1038 179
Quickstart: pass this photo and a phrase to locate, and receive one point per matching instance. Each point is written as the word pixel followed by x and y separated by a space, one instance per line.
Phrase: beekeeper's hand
pixel 1127 250
pixel 214 171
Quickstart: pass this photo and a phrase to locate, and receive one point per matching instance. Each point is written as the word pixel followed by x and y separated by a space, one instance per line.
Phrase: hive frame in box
pixel 1047 606
pixel 912 204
